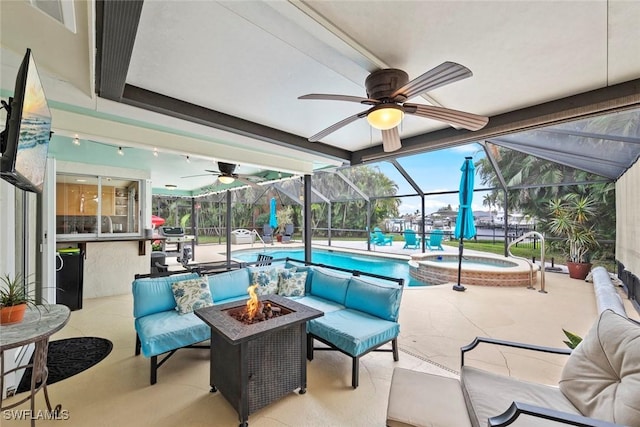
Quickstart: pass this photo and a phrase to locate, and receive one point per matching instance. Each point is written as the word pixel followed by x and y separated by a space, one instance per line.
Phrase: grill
pixel 173 243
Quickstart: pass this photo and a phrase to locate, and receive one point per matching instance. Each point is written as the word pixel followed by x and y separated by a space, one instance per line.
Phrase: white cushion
pixel 602 375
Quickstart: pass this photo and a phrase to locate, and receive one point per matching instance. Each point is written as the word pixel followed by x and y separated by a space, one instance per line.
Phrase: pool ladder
pixel 531 264
pixel 255 233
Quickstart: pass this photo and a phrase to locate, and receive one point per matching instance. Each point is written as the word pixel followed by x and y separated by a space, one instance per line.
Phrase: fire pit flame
pixel 253 305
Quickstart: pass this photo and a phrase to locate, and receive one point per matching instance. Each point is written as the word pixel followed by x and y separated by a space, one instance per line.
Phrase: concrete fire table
pixel 255 364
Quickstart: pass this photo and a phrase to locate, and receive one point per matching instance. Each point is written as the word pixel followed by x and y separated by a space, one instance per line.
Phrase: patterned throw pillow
pixel 291 284
pixel 191 294
pixel 267 279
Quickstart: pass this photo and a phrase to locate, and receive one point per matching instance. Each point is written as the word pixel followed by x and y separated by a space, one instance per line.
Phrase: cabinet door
pixel 68 199
pixel 108 202
pixel 90 195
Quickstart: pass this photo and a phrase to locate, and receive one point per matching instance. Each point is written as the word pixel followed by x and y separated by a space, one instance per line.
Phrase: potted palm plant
pixel 571 218
pixel 284 217
pixel 14 299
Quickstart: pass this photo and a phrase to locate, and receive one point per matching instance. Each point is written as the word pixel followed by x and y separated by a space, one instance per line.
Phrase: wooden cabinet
pixel 79 199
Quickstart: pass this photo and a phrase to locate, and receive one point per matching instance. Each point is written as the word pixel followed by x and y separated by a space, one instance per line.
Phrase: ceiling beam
pixel 596 102
pixel 173 107
pixel 116 28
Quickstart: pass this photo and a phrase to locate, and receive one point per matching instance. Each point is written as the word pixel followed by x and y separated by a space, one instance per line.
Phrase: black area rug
pixel 68 357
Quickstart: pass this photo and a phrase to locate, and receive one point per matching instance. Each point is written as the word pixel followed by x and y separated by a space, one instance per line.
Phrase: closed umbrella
pixel 465 228
pixel 273 221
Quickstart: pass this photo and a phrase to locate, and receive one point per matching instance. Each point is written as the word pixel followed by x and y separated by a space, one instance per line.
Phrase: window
pixel 97 205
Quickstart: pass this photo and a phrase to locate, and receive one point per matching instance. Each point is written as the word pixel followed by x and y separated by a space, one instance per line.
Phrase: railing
pixel 255 233
pixel 531 264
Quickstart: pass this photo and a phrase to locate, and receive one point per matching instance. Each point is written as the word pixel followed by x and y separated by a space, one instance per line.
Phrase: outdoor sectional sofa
pixel 360 314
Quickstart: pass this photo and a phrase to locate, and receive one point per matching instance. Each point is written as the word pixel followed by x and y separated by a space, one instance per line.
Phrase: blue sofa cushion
pixel 353 331
pixel 154 294
pixel 168 330
pixel 229 284
pixel 329 285
pixel 374 298
pixel 319 303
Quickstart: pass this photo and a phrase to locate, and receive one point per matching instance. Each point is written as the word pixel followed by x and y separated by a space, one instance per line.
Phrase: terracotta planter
pixel 12 314
pixel 279 238
pixel 578 270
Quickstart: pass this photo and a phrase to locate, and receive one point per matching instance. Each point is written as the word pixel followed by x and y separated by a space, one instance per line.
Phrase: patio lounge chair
pixel 382 239
pixel 267 233
pixel 597 387
pixel 288 233
pixel 411 240
pixel 434 242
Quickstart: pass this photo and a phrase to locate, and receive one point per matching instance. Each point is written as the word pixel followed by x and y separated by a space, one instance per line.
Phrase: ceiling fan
pixel 226 175
pixel 387 91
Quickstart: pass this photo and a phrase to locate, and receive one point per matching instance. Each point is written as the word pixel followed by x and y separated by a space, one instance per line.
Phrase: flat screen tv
pixel 25 140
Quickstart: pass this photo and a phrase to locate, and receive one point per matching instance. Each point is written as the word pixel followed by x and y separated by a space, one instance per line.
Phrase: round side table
pixel 38 325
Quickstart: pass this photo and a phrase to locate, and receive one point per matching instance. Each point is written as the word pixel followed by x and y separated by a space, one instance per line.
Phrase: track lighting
pixel 120 152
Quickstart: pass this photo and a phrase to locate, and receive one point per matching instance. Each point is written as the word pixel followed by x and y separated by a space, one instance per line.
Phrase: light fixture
pixel 120 152
pixel 155 152
pixel 188 160
pixel 76 140
pixel 170 186
pixel 225 179
pixel 385 116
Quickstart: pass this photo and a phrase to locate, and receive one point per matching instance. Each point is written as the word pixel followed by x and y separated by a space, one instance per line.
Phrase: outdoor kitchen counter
pixel 110 263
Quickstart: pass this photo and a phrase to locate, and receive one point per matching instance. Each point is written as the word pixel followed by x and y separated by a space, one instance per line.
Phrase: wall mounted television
pixel 24 143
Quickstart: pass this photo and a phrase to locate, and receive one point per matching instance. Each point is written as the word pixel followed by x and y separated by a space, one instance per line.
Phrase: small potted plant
pixel 14 299
pixel 571 218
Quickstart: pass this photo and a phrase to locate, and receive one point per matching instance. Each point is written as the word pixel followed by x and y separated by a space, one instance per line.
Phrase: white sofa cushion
pixel 488 395
pixel 602 375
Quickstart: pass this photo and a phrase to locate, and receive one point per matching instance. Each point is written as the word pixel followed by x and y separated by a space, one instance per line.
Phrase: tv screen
pixel 25 142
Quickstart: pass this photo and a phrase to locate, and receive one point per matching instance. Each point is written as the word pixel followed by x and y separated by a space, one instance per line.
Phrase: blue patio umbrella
pixel 273 221
pixel 465 227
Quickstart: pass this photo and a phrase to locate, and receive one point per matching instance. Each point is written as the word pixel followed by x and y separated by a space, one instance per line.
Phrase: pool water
pixel 370 264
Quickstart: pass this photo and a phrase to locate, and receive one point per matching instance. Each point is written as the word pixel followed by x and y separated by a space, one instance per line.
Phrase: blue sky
pixel 435 171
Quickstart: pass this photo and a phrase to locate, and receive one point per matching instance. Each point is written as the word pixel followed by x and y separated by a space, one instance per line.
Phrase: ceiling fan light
pixel 385 116
pixel 226 179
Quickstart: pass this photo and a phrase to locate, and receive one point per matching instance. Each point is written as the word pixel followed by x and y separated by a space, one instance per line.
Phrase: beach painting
pixel 35 128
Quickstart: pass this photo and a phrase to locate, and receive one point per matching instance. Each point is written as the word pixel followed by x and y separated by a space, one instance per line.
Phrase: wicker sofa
pixel 361 315
pixel 599 386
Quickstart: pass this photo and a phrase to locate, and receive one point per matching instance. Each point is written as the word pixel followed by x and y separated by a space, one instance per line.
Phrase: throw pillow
pixel 291 284
pixel 191 295
pixel 601 376
pixel 267 280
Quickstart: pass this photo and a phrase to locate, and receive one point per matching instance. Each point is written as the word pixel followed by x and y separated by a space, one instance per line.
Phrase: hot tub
pixel 485 270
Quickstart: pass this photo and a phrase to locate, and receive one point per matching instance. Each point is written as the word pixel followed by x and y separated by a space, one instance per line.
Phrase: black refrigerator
pixel 69 278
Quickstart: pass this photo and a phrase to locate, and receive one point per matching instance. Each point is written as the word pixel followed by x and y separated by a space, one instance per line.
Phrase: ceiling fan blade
pixel 330 97
pixel 246 181
pixel 443 74
pixel 213 172
pixel 391 140
pixel 193 176
pixel 318 136
pixel 459 118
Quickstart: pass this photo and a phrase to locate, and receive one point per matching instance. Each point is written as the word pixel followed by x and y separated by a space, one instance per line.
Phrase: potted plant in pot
pixel 284 217
pixel 14 299
pixel 571 218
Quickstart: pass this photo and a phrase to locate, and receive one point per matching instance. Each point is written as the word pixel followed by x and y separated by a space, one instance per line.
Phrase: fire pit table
pixel 255 364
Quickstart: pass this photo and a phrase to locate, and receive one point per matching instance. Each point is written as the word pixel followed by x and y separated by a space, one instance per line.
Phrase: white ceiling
pixel 252 59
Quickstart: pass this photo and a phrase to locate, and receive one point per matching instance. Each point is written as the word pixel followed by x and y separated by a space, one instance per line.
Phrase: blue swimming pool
pixel 369 264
